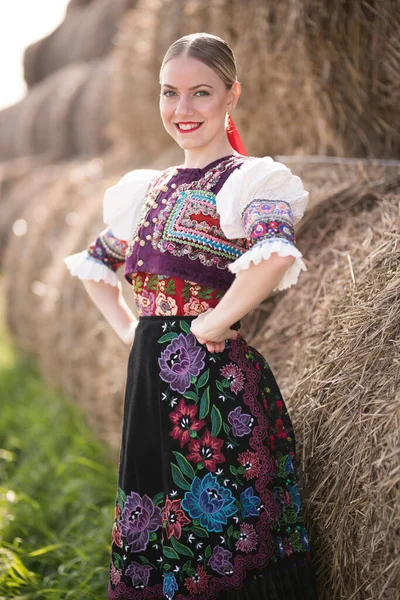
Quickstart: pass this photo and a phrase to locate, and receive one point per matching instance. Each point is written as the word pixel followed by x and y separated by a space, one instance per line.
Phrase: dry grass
pixel 337 361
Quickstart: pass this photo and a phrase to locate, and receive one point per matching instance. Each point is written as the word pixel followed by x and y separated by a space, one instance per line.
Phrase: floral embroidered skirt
pixel 207 504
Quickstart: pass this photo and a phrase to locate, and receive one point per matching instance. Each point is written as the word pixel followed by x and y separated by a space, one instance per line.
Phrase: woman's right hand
pixel 129 334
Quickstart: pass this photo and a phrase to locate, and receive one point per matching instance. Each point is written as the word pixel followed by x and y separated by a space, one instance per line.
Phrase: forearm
pixel 111 303
pixel 250 287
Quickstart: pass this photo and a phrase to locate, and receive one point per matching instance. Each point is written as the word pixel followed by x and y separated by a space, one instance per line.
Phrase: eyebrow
pixel 191 88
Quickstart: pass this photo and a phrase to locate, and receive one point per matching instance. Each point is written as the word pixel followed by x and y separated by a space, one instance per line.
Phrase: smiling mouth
pixel 187 127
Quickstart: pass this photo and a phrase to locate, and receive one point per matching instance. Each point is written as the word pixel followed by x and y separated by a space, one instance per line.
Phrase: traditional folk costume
pixel 207 503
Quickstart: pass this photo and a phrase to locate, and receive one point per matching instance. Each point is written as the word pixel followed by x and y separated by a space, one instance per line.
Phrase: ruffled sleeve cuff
pixel 84 266
pixel 263 250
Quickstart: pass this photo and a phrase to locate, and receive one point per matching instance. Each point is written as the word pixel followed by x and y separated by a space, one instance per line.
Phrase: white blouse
pixel 269 180
pixel 260 188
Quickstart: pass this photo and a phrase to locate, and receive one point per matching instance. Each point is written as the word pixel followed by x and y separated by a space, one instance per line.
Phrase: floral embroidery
pixel 164 295
pixel 190 226
pixel 219 561
pixel 185 422
pixel 234 376
pixel 173 518
pixel 206 451
pixel 138 519
pixel 198 583
pixel 232 501
pixel 251 463
pixel 181 360
pixel 140 574
pixel 184 225
pixel 268 219
pixel 248 538
pixel 240 422
pixel 108 249
pixel 209 502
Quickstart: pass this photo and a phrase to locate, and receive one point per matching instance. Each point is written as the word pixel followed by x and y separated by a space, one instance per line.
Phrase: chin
pixel 191 144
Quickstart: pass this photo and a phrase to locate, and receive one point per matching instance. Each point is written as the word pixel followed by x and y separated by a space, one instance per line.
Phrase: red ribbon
pixel 234 137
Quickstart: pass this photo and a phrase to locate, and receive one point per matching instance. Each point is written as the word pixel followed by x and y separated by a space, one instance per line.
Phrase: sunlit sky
pixel 22 22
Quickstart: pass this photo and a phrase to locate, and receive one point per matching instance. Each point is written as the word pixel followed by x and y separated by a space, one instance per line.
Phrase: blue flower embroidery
pixel 209 502
pixel 170 585
pixel 249 502
pixel 289 464
pixel 294 492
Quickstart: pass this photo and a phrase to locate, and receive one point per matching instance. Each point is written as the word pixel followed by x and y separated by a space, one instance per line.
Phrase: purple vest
pixel 178 233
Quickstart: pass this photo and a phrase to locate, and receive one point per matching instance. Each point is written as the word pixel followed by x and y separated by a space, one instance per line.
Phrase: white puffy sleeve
pixel 262 200
pixel 121 210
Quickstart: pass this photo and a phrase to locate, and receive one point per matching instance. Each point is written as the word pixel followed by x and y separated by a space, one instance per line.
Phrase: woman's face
pixel 194 102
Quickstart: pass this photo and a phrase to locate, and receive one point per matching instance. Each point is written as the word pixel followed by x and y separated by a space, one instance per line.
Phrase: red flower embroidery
pixel 280 430
pixel 287 547
pixel 116 535
pixel 248 538
pixel 173 518
pixel 198 582
pixel 206 450
pixel 251 462
pixel 115 574
pixel 184 420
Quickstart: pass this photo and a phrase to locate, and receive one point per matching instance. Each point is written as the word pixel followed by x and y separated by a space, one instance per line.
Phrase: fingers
pixel 215 346
pixel 232 334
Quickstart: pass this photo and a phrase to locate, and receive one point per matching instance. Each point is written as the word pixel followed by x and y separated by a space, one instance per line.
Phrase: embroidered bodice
pixel 183 233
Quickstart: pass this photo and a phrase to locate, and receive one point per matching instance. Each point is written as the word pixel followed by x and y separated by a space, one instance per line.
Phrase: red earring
pixel 234 137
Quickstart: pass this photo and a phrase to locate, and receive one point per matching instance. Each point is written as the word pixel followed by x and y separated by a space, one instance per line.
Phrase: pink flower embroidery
pixel 235 377
pixel 248 538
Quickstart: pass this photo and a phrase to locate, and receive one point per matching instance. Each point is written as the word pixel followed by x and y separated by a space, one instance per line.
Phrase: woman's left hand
pixel 215 342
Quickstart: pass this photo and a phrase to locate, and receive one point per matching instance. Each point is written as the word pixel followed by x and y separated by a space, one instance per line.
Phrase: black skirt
pixel 208 503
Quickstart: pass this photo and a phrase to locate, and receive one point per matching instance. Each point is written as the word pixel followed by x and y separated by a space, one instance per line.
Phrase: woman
pixel 207 501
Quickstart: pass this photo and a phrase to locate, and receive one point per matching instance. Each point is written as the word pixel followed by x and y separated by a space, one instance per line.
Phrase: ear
pixel 233 96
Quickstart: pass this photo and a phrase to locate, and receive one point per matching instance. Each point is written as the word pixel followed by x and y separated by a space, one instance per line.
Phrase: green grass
pixel 57 491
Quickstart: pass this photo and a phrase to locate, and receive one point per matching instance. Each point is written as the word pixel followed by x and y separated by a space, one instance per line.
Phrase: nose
pixel 184 106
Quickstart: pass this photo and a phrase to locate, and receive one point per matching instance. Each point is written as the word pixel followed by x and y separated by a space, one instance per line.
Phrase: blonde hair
pixel 209 49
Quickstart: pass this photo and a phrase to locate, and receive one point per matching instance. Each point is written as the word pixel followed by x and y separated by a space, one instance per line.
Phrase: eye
pixel 167 92
pixel 203 92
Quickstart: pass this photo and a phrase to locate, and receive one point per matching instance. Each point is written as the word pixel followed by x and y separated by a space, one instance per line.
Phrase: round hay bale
pixel 354 53
pixel 324 176
pixel 57 114
pixel 336 358
pixel 30 249
pixel 136 77
pixel 44 122
pixel 90 116
pixel 86 33
pixel 23 182
pixel 8 119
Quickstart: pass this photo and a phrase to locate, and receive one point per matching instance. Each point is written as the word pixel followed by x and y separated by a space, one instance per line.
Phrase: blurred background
pixel 78 109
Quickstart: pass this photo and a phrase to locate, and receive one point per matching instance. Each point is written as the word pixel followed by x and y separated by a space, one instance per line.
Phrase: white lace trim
pixel 263 251
pixel 84 266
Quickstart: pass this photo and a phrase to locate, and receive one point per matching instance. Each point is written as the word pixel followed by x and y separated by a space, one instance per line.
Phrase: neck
pixel 198 158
